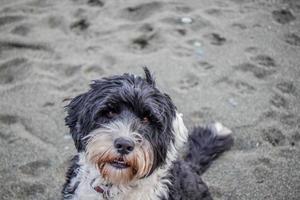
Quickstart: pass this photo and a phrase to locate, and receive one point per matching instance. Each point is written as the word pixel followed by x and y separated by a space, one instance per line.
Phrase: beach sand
pixel 233 61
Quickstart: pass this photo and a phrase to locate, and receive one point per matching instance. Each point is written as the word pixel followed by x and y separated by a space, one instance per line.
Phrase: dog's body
pixel 130 137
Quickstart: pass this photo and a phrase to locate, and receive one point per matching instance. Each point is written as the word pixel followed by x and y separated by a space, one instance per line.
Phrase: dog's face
pixel 125 126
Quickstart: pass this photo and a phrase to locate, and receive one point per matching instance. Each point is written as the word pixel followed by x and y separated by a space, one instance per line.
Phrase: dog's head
pixel 126 127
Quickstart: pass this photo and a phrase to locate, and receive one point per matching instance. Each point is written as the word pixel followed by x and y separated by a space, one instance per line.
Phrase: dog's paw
pixel 219 129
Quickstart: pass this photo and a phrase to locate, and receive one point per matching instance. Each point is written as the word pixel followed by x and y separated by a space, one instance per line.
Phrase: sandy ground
pixel 234 61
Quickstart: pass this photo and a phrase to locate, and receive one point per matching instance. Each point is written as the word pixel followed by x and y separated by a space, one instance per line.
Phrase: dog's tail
pixel 206 144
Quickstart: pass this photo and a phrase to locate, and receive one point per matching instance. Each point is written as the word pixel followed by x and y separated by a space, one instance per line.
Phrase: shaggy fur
pixel 132 144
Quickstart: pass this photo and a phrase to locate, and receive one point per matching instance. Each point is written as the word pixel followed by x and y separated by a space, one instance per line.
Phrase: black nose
pixel 124 145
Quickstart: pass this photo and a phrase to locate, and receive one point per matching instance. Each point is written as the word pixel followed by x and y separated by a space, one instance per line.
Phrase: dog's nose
pixel 124 145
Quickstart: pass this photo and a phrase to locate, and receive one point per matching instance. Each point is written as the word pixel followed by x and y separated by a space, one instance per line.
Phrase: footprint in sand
pixel 290 120
pixel 262 168
pixel 203 65
pixel 22 30
pixel 269 114
pixel 141 11
pixel 261 173
pixel 98 3
pixel 283 16
pixel 252 50
pixel 214 12
pixel 279 101
pixel 146 42
pixel 264 60
pixel 48 104
pixel 11 45
pixel 8 119
pixel 239 26
pixel 188 82
pixel 10 19
pixel 35 168
pixel 61 70
pixel 70 71
pixel 26 190
pixel 146 28
pixel 182 51
pixel 182 9
pixel 215 39
pixel 80 25
pixel 263 65
pixel 274 136
pixel 94 72
pixel 149 39
pixel 181 31
pixel 242 87
pixel 295 138
pixel 262 161
pixel 292 39
pixel 258 72
pixel 14 70
pixel 286 87
pixel 55 21
pixel 202 114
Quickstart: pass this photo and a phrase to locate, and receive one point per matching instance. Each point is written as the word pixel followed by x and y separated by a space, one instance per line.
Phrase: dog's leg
pixel 71 185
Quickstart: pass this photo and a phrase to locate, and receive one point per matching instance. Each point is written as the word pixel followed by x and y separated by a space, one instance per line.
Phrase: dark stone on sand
pixel 292 39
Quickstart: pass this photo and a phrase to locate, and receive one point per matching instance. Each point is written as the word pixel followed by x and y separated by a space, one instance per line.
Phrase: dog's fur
pixel 163 161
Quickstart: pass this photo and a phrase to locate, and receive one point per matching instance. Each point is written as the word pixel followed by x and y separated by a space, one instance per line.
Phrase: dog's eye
pixel 111 114
pixel 145 120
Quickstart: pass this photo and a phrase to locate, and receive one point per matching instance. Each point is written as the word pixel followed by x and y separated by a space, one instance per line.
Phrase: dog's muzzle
pixel 119 160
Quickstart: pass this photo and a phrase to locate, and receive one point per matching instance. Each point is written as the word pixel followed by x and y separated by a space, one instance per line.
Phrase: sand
pixel 233 61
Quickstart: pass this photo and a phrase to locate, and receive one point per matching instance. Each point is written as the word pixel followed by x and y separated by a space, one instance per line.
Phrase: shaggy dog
pixel 132 144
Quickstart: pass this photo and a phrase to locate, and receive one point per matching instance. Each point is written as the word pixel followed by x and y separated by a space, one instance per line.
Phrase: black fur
pixel 68 189
pixel 203 147
pixel 186 183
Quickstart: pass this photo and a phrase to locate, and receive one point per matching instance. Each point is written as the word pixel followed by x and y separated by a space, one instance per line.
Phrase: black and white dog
pixel 132 144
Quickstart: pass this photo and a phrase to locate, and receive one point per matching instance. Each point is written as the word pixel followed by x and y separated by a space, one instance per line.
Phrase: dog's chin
pixel 119 164
pixel 117 172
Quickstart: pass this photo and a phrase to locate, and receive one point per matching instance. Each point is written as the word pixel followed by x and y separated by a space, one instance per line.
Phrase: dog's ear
pixel 148 76
pixel 74 109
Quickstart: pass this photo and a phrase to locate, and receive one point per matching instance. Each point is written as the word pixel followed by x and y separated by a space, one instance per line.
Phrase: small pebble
pixel 197 44
pixel 186 20
pixel 232 102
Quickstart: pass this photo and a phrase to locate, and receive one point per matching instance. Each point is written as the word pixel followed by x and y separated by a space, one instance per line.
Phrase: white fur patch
pixel 219 129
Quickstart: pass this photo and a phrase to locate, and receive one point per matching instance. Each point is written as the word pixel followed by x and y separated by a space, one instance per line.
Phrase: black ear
pixel 74 109
pixel 148 76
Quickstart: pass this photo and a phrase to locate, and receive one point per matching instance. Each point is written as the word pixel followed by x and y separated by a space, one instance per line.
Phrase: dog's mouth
pixel 119 163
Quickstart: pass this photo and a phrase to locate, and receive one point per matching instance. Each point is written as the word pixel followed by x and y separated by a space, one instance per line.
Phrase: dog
pixel 132 144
